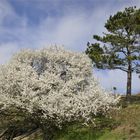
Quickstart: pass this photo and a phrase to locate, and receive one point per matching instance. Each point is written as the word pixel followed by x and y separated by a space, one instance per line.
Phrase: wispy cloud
pixel 6 50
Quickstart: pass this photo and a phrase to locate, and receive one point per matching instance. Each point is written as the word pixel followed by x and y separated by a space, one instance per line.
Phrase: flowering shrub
pixel 53 86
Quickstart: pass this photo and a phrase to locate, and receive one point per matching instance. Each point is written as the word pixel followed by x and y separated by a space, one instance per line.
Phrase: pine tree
pixel 119 48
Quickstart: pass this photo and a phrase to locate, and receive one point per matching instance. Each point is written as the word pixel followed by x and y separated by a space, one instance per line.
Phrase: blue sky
pixel 71 23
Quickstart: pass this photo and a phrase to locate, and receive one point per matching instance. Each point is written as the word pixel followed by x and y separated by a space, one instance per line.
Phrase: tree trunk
pixel 129 81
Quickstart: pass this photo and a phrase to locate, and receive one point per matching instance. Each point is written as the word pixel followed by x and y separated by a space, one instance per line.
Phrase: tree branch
pixel 121 68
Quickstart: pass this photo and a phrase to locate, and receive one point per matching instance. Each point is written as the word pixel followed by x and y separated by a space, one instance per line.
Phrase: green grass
pixel 124 125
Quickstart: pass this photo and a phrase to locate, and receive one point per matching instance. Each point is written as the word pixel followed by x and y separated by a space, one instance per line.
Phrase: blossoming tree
pixel 53 87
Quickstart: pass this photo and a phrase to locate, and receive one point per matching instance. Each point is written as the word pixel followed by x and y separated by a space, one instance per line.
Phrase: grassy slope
pixel 129 127
pixel 124 125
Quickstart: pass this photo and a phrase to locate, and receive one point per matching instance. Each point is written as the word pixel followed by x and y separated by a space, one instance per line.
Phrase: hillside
pixel 124 125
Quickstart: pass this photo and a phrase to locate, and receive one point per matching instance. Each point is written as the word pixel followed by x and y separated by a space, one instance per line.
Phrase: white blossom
pixel 53 84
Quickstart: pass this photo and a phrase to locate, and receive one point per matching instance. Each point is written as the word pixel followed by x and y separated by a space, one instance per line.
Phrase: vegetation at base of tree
pixel 122 125
pixel 119 47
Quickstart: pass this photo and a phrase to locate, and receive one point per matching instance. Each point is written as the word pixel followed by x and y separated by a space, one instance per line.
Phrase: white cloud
pixel 69 31
pixel 5 9
pixel 6 50
pixel 117 78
